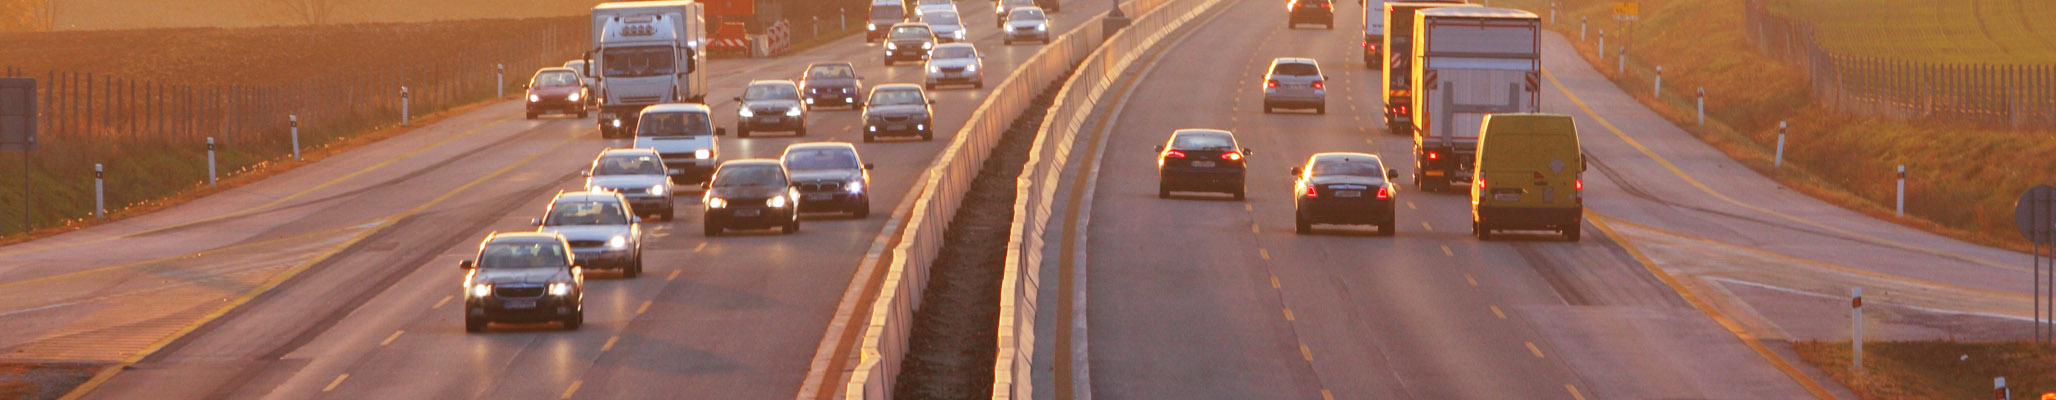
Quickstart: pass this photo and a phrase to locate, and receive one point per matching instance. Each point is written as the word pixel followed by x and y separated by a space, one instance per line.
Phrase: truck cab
pixel 683 135
pixel 645 53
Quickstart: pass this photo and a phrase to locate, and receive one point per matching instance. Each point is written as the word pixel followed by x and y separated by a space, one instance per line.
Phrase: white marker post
pixel 1602 44
pixel 99 191
pixel 210 162
pixel 1552 13
pixel 1779 160
pixel 1902 191
pixel 1999 390
pixel 500 77
pixel 1659 81
pixel 404 116
pixel 843 14
pixel 295 121
pixel 817 26
pixel 1622 70
pixel 1702 106
pixel 1856 316
pixel 1581 29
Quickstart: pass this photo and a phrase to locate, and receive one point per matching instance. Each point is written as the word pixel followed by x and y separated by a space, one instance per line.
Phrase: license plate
pixel 1349 193
pixel 1506 197
pixel 818 196
pixel 895 127
pixel 518 304
pixel 747 212
pixel 771 120
pixel 1203 164
pixel 675 171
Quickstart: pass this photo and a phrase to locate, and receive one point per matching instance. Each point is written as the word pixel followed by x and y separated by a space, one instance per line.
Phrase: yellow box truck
pixel 1529 175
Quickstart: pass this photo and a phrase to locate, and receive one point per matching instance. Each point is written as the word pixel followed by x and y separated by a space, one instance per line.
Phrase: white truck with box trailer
pixel 645 53
pixel 1468 62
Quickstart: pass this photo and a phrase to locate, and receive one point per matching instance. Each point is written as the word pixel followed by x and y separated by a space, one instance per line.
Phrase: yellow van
pixel 1529 171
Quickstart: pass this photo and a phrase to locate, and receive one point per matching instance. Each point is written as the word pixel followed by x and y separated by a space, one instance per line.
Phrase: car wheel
pixel 531 115
pixel 711 229
pixel 928 135
pixel 669 214
pixel 868 138
pixel 1007 41
pixel 1391 225
pixel 1268 109
pixel 979 85
pixel 800 132
pixel 863 208
pixel 1572 233
pixel 888 62
pixel 1301 225
pixel 576 320
pixel 1484 230
pixel 1321 109
pixel 635 269
pixel 1239 193
pixel 929 86
pixel 1163 191
pixel 582 114
pixel 791 227
pixel 474 324
pixel 742 131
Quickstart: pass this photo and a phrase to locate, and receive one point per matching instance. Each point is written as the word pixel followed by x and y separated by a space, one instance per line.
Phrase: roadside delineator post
pixel 294 121
pixel 500 80
pixel 210 162
pixel 404 116
pixel 1856 319
pixel 1552 13
pixel 1581 29
pixel 1902 191
pixel 1778 161
pixel 1622 70
pixel 99 191
pixel 1659 81
pixel 843 14
pixel 1702 106
pixel 1602 44
pixel 1999 390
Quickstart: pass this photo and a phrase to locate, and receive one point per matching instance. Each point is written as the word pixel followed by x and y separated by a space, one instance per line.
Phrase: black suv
pixel 523 277
pixel 908 41
pixel 1311 12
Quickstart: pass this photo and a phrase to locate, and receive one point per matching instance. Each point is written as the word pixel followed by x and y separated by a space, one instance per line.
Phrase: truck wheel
pixel 1572 233
pixel 868 138
pixel 1007 41
pixel 1163 191
pixel 669 214
pixel 791 227
pixel 1483 230
pixel 888 62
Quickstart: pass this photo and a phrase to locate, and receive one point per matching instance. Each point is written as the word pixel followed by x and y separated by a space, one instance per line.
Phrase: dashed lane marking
pixel 332 384
pixel 1246 207
pixel 1446 252
pixel 440 303
pixel 1266 254
pixel 1497 312
pixel 1409 205
pixel 1537 351
pixel 1472 280
pixel 1253 229
pixel 697 249
pixel 645 307
pixel 610 344
pixel 1305 352
pixel 1288 315
pixel 1574 391
pixel 571 390
pixel 1274 282
pixel 390 338
pixel 1424 225
pixel 674 275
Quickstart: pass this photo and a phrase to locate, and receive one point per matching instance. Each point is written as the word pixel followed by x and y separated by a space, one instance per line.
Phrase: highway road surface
pixel 345 270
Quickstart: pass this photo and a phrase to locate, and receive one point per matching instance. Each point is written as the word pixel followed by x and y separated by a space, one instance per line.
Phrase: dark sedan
pixel 1344 188
pixel 830 176
pixel 908 41
pixel 832 83
pixel 1201 160
pixel 751 194
pixel 523 277
pixel 898 109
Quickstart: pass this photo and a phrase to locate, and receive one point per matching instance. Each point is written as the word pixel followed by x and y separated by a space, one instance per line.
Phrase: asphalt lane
pixel 734 317
pixel 1201 296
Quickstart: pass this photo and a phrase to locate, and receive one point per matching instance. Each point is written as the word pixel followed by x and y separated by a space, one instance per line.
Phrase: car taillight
pixel 1432 156
pixel 1231 156
pixel 1578 184
pixel 1327 6
pixel 1384 193
pixel 1174 154
pixel 1481 184
pixel 1402 109
pixel 1271 83
pixel 1318 85
pixel 1310 192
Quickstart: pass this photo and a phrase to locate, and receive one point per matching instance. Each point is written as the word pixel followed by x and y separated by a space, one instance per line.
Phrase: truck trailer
pixel 645 53
pixel 1468 62
pixel 1397 35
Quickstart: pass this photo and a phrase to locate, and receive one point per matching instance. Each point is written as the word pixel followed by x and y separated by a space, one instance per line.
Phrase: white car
pixel 1026 23
pixel 1294 82
pixel 947 25
pixel 683 134
pixel 934 5
pixel 955 63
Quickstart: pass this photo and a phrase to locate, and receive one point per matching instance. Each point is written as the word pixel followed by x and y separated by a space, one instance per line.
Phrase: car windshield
pixel 911 32
pixel 770 92
pixel 939 18
pixel 830 72
pixel 1011 4
pixel 1202 142
pixel 897 98
pixel 674 124
pixel 629 165
pixel 889 11
pixel 938 2
pixel 749 175
pixel 630 62
pixel 1295 69
pixel 1348 166
pixel 820 159
pixel 522 255
pixel 557 78
pixel 585 213
pixel 1024 14
pixel 954 52
pixel 577 67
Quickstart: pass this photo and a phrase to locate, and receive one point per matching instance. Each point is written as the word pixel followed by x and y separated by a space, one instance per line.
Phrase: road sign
pixel 2035 214
pixel 1627 10
pixel 17 114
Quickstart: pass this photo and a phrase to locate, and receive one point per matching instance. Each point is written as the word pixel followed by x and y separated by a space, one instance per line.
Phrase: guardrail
pixel 944 185
pixel 1037 185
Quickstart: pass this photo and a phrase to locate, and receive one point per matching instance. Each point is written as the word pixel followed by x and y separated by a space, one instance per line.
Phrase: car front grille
pixel 518 291
pixel 952 69
pixel 641 99
pixel 587 243
pixel 897 118
pixel 820 186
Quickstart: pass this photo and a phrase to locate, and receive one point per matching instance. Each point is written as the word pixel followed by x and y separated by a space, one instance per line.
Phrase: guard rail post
pixel 1856 326
pixel 500 80
pixel 1602 44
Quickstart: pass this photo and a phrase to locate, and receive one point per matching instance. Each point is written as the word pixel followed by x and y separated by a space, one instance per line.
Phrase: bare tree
pixel 28 15
pixel 311 12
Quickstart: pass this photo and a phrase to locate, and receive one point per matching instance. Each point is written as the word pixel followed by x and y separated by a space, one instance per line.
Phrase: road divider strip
pixel 1075 104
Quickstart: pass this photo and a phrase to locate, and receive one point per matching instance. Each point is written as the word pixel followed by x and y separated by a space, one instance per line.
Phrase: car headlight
pixel 958 34
pixel 920 127
pixel 481 290
pixel 702 154
pixel 870 26
pixel 927 45
pixel 534 98
pixel 892 46
pixel 716 202
pixel 657 190
pixel 971 68
pixel 776 201
pixel 856 186
pixel 810 100
pixel 617 123
pixel 934 68
pixel 874 128
pixel 560 288
pixel 618 242
pixel 792 112
pixel 572 97
pixel 1042 28
pixel 745 112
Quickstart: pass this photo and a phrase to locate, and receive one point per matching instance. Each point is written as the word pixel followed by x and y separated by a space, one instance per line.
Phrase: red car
pixel 556 89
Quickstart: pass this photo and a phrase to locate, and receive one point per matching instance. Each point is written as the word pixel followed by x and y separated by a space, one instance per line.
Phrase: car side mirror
pixel 931 102
pixel 869 166
pixel 635 219
pixel 1246 152
pixel 860 77
pixel 1296 171
pixel 1583 165
pixel 464 265
pixel 1391 174
pixel 738 99
pixel 535 221
pixel 1160 148
pixel 706 185
pixel 587 172
pixel 720 131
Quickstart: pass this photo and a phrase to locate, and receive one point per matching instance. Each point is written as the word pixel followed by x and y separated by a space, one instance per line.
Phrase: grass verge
pixel 1936 369
pixel 1961 179
pixel 31 381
